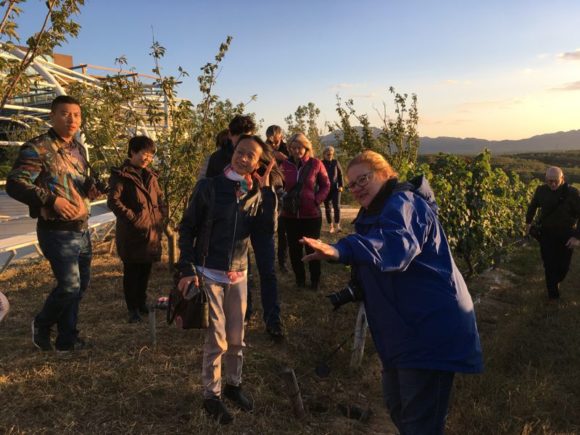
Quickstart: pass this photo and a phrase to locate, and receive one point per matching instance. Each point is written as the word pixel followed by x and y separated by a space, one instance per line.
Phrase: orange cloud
pixel 571 55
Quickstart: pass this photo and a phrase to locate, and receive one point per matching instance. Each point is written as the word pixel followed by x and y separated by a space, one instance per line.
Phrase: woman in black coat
pixel 137 201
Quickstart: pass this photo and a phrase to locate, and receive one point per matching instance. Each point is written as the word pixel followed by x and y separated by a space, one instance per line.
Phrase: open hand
pixel 322 251
pixel 572 243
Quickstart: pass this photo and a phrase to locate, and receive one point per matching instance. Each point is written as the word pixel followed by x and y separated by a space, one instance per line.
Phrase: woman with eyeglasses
pixel 419 310
pixel 306 186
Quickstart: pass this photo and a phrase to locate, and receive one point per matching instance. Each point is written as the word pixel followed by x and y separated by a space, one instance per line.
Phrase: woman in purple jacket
pixel 419 311
pixel 304 178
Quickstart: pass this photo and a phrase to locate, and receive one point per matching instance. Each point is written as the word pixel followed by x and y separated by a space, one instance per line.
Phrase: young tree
pixel 398 139
pixel 184 132
pixel 55 29
pixel 305 120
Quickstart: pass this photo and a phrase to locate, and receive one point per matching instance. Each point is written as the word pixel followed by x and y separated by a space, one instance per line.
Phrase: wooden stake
pixel 289 378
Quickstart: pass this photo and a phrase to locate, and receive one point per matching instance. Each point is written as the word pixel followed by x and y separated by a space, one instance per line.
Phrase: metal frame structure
pixel 52 80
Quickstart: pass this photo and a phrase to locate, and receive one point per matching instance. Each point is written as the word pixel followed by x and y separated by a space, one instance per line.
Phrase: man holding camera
pixel 51 176
pixel 556 229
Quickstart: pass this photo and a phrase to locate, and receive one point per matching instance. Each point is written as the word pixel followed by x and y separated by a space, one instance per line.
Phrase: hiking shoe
pixel 275 331
pixel 41 338
pixel 134 316
pixel 237 396
pixel 143 309
pixel 78 345
pixel 217 410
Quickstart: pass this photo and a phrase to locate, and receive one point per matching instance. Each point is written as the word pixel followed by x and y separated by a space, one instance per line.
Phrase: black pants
pixel 333 199
pixel 556 257
pixel 296 229
pixel 282 242
pixel 135 280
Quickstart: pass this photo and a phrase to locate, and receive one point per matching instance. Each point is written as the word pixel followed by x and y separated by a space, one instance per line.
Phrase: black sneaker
pixel 78 345
pixel 275 331
pixel 217 410
pixel 237 396
pixel 41 338
pixel 134 316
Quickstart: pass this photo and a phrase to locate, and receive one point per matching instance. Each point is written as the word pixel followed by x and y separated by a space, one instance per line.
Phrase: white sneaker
pixel 338 229
pixel 331 229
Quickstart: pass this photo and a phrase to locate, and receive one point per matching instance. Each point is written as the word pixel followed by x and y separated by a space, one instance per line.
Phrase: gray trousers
pixel 225 335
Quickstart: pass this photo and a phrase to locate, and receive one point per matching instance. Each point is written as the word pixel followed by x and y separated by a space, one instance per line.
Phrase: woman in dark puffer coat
pixel 137 201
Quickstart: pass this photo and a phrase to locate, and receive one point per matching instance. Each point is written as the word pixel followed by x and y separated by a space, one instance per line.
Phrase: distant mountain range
pixel 560 141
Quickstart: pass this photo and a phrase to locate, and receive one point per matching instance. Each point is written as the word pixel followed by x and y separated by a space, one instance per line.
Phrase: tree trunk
pixel 171 246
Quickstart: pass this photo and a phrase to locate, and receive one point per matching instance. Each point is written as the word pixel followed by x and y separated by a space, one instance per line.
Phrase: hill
pixel 560 141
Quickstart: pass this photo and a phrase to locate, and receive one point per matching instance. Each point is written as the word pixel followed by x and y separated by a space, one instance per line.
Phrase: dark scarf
pixel 376 205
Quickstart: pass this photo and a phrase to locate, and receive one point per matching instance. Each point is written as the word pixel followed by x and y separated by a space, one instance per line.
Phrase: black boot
pixel 134 316
pixel 217 410
pixel 237 396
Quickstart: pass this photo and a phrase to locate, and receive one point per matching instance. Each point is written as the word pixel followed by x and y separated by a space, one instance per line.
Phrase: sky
pixel 494 69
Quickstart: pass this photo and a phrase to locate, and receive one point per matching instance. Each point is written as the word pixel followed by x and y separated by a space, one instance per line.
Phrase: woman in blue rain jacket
pixel 419 310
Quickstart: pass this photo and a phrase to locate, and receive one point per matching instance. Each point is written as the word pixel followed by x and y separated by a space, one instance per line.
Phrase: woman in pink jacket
pixel 306 186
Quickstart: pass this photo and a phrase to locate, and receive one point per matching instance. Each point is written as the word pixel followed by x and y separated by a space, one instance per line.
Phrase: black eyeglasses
pixel 361 181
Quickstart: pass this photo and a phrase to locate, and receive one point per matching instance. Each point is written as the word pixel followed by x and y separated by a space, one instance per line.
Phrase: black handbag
pixel 291 200
pixel 188 313
pixel 192 310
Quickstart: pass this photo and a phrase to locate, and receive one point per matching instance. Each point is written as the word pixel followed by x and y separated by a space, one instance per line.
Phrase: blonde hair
pixel 301 137
pixel 376 162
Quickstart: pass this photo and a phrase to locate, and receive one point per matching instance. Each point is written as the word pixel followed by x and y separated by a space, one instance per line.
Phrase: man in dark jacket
pixel 50 175
pixel 275 138
pixel 559 234
pixel 262 243
pixel 240 124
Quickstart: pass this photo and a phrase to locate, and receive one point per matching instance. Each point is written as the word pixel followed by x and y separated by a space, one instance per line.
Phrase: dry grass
pixel 531 383
pixel 124 385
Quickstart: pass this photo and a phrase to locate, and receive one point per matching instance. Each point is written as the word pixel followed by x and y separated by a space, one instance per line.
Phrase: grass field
pixel 125 385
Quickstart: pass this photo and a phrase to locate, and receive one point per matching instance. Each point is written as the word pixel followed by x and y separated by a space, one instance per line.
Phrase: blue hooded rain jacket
pixel 419 311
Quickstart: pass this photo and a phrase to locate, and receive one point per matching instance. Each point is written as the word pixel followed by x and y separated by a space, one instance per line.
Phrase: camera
pixel 351 293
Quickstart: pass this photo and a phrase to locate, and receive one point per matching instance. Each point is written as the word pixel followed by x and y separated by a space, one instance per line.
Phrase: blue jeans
pixel 418 399
pixel 69 254
pixel 265 254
